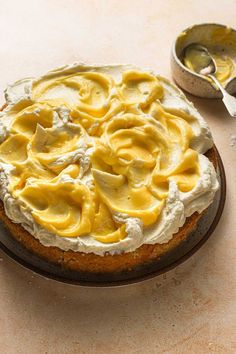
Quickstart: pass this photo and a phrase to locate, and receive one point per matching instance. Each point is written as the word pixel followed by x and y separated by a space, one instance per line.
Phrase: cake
pixel 103 168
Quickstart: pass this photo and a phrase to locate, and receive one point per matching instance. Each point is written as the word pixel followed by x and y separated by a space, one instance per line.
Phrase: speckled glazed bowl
pixel 221 38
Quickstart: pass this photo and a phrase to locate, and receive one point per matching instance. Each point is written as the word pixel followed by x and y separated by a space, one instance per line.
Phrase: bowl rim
pixel 190 72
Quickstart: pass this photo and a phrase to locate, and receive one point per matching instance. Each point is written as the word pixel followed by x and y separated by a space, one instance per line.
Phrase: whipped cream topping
pixel 178 203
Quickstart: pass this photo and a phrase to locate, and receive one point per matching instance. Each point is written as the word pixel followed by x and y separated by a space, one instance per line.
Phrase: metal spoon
pixel 203 63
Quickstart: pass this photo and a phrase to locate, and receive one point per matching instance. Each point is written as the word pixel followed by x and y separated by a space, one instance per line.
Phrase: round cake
pixel 103 168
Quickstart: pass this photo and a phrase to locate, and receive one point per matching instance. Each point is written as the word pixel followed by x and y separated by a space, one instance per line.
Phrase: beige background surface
pixel 191 309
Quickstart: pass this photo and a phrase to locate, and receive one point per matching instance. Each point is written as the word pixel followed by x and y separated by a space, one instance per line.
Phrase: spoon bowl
pixel 200 61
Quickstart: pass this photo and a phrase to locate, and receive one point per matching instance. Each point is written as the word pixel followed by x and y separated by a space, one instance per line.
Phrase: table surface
pixel 190 309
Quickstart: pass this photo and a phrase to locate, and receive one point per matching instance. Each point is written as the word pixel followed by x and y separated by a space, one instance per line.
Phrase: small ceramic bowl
pixel 219 37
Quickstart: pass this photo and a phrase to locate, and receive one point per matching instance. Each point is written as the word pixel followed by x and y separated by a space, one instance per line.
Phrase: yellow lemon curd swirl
pixel 116 152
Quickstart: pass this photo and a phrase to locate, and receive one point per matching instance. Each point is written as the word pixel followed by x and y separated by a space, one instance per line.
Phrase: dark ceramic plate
pixel 195 240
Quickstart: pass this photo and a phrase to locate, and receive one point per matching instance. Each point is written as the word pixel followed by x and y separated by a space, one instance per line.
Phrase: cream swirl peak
pixel 103 158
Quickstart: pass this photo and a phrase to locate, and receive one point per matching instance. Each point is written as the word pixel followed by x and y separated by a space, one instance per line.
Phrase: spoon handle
pixel 229 100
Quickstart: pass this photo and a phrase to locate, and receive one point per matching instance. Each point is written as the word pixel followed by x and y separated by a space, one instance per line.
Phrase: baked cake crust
pixel 90 262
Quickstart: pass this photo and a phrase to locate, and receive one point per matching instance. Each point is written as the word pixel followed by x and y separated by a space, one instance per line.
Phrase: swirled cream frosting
pixel 102 158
